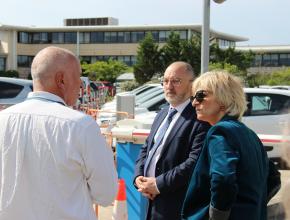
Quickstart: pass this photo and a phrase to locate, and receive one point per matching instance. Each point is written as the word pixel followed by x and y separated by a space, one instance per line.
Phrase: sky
pixel 263 22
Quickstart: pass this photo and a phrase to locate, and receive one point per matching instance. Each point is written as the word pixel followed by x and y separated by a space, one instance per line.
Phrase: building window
pixel 85 37
pixel 155 35
pixel 168 34
pixel 36 38
pixel 110 37
pixel 128 60
pixel 93 59
pixel 23 37
pixel 24 61
pixel 121 38
pixel 107 37
pixel 57 38
pixel 284 59
pixel 125 59
pixel 2 63
pixel 113 37
pixel 97 37
pixel 133 60
pixel 86 59
pixel 225 43
pixel 44 37
pixel 39 38
pixel 127 37
pixel 232 43
pixel 100 58
pixel 270 60
pixel 137 36
pixel 162 36
pixel 258 60
pixel 183 35
pixel 70 37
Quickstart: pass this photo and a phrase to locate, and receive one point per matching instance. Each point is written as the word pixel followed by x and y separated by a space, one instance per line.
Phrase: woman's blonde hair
pixel 226 88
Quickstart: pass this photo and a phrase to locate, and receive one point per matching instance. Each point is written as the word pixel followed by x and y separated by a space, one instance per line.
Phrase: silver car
pixel 13 91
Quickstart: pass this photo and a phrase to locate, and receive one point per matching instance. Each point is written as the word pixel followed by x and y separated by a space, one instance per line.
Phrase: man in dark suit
pixel 167 158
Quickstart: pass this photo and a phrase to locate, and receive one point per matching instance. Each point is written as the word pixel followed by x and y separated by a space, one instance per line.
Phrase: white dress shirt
pixel 156 156
pixel 54 162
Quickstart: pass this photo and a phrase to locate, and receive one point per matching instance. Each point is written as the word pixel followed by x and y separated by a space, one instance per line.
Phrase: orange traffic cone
pixel 120 205
pixel 96 209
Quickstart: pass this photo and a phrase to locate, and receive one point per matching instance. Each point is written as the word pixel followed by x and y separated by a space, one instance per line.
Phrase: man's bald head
pixel 183 66
pixel 49 61
pixel 57 71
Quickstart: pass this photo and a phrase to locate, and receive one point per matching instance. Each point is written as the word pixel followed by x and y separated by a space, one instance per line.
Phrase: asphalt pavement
pixel 275 207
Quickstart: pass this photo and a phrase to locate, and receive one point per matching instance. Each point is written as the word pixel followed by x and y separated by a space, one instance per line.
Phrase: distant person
pixel 232 175
pixel 54 162
pixel 169 154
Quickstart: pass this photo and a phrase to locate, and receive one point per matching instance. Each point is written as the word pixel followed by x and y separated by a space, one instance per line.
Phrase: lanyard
pixel 41 98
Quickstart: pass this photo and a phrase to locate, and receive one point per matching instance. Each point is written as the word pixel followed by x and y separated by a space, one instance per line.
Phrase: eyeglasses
pixel 174 82
pixel 199 96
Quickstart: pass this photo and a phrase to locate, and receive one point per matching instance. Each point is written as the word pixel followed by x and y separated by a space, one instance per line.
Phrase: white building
pixel 93 39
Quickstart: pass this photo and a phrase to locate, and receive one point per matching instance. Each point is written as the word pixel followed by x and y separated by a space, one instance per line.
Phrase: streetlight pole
pixel 205 35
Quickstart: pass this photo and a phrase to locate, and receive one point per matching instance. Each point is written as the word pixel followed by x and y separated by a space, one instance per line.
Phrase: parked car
pixel 13 91
pixel 143 97
pixel 268 114
pixel 285 87
pixel 138 92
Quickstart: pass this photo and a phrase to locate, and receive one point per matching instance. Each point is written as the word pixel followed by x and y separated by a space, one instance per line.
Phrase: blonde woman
pixel 230 177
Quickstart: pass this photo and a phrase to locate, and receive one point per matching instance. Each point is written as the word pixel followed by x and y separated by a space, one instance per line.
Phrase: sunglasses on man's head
pixel 199 96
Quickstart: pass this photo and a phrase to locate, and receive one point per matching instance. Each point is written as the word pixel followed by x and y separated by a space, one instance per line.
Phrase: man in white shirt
pixel 54 162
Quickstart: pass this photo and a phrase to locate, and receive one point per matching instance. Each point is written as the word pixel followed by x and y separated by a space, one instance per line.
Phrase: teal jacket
pixel 230 177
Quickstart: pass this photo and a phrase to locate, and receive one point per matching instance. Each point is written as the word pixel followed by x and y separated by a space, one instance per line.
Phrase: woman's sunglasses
pixel 199 96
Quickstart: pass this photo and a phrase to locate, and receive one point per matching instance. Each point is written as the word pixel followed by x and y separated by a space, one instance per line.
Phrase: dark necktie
pixel 159 138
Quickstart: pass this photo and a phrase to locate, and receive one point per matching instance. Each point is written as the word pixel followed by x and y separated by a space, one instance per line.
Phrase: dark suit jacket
pixel 230 177
pixel 177 159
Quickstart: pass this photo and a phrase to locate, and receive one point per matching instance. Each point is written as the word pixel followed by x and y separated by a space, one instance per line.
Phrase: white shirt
pixel 54 162
pixel 156 156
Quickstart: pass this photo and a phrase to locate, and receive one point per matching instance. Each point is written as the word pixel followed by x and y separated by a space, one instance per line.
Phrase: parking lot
pixel 267 114
pixel 274 208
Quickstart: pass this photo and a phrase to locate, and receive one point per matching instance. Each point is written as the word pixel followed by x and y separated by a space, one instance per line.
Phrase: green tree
pixel 225 66
pixel 9 73
pixel 29 76
pixel 128 85
pixel 257 79
pixel 171 51
pixel 191 52
pixel 148 60
pixel 177 49
pixel 281 77
pixel 102 70
pixel 231 56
